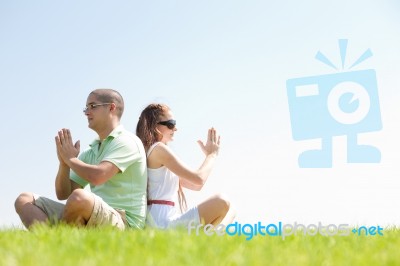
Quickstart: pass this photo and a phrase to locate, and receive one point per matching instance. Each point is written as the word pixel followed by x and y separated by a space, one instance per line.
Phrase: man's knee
pixel 79 207
pixel 80 198
pixel 22 199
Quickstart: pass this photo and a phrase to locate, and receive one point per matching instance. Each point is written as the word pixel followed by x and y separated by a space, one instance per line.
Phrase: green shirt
pixel 127 189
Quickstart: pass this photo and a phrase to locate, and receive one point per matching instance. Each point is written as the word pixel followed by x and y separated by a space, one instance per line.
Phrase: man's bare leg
pixel 79 207
pixel 27 211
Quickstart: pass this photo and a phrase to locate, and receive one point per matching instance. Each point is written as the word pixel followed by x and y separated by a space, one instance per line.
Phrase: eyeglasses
pixel 93 106
pixel 169 123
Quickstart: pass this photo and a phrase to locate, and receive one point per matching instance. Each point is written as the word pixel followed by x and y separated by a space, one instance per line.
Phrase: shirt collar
pixel 115 133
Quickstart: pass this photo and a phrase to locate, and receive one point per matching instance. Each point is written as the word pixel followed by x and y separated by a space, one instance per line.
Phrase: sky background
pixel 215 63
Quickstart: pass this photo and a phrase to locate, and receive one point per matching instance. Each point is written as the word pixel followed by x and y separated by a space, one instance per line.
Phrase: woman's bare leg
pixel 213 210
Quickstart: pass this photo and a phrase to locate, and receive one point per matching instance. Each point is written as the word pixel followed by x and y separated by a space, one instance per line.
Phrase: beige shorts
pixel 102 213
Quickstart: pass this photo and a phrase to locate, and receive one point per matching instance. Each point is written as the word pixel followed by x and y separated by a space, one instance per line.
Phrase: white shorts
pixel 165 216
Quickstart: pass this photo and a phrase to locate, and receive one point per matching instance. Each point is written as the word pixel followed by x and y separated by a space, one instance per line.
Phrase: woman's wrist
pixel 213 155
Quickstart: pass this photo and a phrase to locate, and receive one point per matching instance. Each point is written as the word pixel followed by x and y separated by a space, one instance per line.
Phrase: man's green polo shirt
pixel 127 189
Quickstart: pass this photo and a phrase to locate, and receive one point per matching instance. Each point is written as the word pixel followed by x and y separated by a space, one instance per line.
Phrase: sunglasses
pixel 93 106
pixel 169 123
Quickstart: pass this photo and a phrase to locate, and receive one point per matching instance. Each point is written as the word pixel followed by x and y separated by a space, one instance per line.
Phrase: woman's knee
pixel 222 201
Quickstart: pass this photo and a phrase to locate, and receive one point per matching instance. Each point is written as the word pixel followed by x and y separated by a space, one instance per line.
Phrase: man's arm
pixel 94 174
pixel 64 186
pixel 68 152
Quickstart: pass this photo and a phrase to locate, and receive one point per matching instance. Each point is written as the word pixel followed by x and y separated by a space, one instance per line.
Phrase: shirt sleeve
pixel 123 151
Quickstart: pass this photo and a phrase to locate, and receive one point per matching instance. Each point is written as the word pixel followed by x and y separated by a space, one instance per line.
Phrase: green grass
pixel 64 245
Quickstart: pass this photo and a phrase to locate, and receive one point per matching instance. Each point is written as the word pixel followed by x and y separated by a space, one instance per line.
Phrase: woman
pixel 167 174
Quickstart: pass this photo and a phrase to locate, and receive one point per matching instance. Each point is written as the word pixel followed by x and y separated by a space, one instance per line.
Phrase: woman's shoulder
pixel 159 155
pixel 158 147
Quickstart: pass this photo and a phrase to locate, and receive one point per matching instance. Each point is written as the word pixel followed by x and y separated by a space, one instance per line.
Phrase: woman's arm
pixel 191 179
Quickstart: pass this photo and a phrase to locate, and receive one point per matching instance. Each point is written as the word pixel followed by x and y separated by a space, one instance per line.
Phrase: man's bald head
pixel 110 96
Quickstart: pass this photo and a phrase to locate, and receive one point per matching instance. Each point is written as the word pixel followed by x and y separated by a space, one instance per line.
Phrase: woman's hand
pixel 212 144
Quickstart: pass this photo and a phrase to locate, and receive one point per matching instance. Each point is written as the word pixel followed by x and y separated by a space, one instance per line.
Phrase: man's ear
pixel 113 107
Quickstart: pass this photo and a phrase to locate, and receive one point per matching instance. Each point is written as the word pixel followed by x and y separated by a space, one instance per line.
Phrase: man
pixel 114 166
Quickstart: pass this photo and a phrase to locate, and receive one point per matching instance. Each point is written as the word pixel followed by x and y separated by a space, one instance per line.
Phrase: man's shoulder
pixel 126 135
pixel 127 139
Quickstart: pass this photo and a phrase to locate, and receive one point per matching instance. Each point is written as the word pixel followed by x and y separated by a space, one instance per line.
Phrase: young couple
pixel 119 170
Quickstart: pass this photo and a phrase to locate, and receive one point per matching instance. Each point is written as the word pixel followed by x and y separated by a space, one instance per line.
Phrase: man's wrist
pixel 63 165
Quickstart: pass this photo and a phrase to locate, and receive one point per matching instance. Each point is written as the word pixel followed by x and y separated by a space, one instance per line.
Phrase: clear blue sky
pixel 216 63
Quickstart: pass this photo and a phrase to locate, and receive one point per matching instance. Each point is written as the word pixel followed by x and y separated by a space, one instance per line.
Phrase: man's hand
pixel 65 147
pixel 59 156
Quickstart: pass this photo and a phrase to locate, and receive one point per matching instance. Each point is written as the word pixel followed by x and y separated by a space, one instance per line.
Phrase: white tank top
pixel 162 183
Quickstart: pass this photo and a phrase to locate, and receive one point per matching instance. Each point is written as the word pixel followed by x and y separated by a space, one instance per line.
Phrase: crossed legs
pixel 77 210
